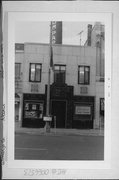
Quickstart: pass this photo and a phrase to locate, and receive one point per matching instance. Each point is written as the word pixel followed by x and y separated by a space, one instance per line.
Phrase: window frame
pixel 84 83
pixel 33 81
pixel 60 70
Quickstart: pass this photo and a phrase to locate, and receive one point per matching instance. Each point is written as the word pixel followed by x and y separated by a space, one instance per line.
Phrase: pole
pixel 48 94
pixel 55 123
pixel 80 36
pixel 48 87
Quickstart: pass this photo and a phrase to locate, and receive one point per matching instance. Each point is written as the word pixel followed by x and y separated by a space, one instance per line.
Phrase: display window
pixel 33 109
pixel 82 111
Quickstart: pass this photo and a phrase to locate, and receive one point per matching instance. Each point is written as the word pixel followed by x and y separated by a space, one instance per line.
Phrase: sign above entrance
pixel 83 110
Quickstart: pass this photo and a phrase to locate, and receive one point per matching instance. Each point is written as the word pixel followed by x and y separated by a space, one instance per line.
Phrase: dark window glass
pixel 35 72
pixel 59 73
pixel 83 74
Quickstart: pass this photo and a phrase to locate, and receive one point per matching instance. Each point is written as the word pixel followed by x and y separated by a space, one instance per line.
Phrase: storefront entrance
pixel 59 110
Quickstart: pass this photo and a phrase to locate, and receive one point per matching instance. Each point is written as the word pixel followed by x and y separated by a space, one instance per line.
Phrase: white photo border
pixel 9 58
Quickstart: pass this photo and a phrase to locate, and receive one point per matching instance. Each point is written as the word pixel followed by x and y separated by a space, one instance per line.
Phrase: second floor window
pixel 59 73
pixel 83 74
pixel 35 72
pixel 17 70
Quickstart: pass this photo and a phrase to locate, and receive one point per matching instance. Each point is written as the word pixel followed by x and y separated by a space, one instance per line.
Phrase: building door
pixel 59 110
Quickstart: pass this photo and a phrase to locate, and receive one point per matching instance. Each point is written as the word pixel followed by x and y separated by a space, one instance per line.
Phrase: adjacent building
pixel 96 38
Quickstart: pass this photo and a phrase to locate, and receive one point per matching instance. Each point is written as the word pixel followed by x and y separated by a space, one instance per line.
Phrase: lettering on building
pixel 82 110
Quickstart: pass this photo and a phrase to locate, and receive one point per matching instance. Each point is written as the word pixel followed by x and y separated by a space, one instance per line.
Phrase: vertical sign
pixel 53 36
pixel 56 32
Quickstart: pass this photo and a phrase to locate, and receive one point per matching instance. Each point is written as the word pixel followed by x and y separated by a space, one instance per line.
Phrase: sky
pixel 38 32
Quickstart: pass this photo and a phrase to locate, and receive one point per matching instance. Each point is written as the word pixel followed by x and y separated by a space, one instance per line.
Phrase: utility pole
pixel 49 72
pixel 48 118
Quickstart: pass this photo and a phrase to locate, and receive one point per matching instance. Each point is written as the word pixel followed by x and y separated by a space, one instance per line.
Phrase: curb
pixel 61 133
pixel 58 132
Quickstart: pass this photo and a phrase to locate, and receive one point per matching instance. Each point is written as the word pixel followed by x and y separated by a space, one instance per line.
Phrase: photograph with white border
pixel 60 93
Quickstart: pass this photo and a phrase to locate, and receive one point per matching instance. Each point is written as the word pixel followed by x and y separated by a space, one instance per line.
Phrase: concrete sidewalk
pixel 41 131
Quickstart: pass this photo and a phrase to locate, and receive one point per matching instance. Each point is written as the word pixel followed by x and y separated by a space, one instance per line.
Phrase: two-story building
pixel 73 85
pixel 76 84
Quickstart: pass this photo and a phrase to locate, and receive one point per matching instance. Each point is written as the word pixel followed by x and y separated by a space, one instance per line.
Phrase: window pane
pixel 26 106
pixel 33 106
pixel 62 77
pixel 59 74
pixel 59 77
pixel 87 69
pixel 56 67
pixel 32 76
pixel 86 75
pixel 81 74
pixel 63 68
pixel 38 67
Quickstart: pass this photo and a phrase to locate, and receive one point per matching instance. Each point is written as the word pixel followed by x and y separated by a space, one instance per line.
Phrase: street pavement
pixel 31 146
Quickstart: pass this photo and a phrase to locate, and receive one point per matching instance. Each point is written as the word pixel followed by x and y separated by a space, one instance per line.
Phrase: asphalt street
pixel 62 147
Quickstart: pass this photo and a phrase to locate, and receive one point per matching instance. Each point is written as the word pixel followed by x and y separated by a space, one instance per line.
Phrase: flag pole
pixel 47 125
